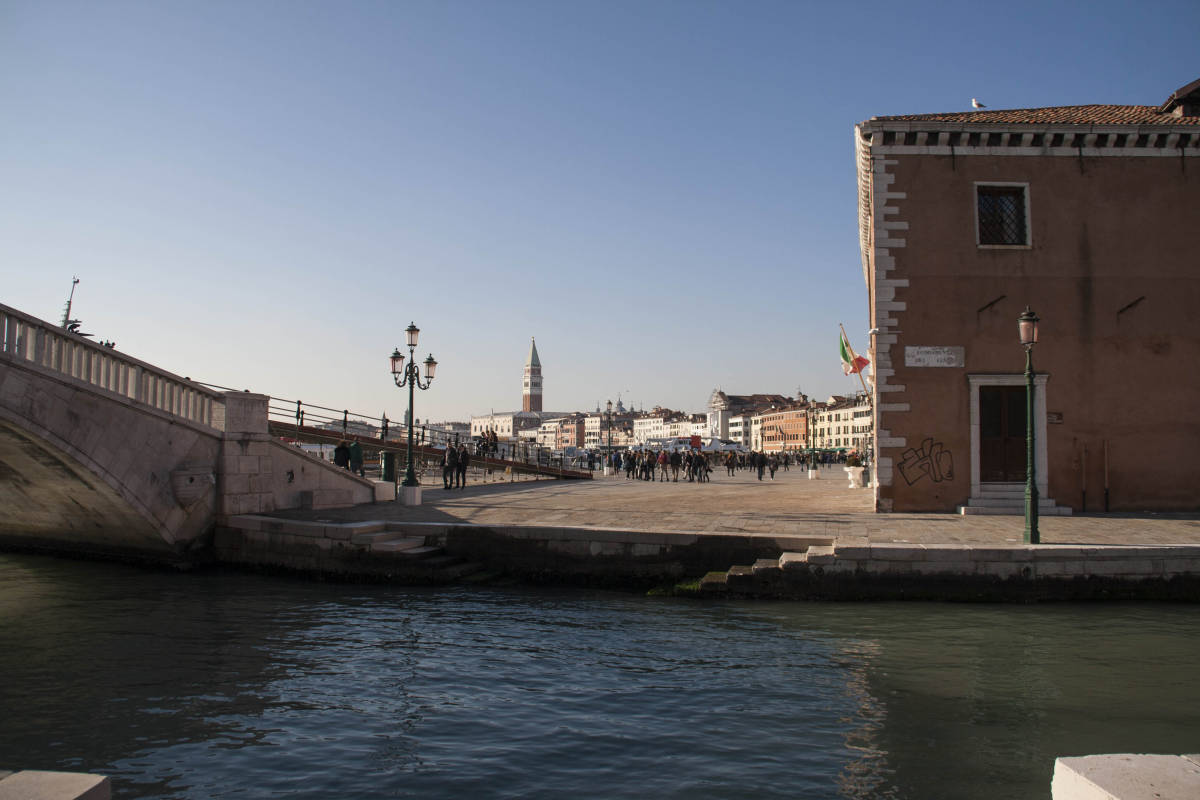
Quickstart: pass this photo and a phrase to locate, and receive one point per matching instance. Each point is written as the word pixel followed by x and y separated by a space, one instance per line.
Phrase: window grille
pixel 1002 215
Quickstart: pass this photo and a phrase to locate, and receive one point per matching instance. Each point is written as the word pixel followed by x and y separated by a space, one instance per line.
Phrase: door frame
pixel 1040 459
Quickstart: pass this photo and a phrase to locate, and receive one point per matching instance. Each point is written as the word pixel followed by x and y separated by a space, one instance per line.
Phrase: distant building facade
pixel 723 407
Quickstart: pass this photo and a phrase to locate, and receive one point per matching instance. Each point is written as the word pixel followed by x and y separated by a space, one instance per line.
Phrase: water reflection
pixel 197 686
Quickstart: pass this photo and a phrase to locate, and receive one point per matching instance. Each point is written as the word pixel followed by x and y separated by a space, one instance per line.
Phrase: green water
pixel 230 685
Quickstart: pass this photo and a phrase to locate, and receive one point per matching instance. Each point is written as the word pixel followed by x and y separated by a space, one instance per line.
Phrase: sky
pixel 263 195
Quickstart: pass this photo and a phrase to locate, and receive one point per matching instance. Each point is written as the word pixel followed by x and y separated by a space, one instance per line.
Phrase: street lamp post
pixel 410 375
pixel 1027 326
pixel 609 455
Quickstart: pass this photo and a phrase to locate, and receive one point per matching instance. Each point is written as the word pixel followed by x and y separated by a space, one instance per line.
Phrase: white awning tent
pixel 716 445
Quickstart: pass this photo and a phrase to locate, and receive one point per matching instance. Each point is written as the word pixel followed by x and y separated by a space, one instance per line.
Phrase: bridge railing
pixel 326 424
pixel 26 338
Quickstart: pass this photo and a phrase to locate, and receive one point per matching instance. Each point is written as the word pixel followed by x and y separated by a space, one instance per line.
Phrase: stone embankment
pixel 766 567
pixel 433 553
pixel 967 572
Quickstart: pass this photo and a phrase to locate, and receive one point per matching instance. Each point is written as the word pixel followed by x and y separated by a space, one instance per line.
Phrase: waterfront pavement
pixel 789 505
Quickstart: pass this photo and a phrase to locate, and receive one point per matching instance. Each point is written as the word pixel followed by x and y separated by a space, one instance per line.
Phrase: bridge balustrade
pixel 26 338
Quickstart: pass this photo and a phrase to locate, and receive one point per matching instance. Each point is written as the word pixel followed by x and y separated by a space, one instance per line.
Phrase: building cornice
pixel 916 137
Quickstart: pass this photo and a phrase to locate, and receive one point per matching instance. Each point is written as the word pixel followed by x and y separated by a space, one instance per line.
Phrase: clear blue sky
pixel 263 194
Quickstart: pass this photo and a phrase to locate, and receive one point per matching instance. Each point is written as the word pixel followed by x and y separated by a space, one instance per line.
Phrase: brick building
pixel 1086 214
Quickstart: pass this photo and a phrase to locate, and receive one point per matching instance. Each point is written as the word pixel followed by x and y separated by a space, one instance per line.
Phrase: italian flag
pixel 851 362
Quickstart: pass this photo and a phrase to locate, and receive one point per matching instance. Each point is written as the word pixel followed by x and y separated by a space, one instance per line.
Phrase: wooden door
pixel 1001 434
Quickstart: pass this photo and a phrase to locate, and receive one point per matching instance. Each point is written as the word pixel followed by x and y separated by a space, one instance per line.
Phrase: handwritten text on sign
pixel 934 356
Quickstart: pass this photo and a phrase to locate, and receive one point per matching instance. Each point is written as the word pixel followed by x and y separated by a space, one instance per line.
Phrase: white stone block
pixel 385 491
pixel 1126 776
pixel 410 495
pixel 793 560
pixel 37 785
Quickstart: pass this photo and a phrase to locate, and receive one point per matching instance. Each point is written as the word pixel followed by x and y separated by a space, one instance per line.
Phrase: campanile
pixel 531 387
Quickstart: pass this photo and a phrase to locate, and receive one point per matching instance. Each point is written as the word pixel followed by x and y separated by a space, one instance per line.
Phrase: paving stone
pixel 791 506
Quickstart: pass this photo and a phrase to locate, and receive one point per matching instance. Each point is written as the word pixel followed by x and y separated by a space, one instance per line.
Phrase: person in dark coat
pixel 341 455
pixel 449 466
pixel 356 459
pixel 464 461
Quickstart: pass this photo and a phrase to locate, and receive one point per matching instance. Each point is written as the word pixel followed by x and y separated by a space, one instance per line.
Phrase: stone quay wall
pixel 431 552
pixel 969 572
pixel 732 565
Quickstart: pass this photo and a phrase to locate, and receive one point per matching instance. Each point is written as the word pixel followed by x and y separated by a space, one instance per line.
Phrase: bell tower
pixel 531 386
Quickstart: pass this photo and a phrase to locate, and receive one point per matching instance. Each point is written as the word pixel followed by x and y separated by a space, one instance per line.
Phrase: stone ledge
pixel 39 785
pixel 1126 776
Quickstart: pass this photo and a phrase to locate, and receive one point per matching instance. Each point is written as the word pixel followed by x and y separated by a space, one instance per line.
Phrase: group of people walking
pixel 454 466
pixel 663 465
pixel 349 455
pixel 646 464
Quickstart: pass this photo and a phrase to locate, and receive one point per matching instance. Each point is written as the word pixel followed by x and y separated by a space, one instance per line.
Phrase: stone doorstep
pixel 39 785
pixel 1126 776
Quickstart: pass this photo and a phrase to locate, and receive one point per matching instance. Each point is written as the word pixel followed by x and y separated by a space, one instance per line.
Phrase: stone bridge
pixel 103 454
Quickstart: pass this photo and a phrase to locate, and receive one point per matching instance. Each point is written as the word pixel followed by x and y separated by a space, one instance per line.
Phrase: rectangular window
pixel 1002 215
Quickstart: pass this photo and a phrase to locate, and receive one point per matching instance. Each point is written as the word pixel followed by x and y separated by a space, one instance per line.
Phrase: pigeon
pixel 976 104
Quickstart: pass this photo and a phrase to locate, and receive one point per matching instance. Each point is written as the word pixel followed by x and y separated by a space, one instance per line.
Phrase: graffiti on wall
pixel 931 461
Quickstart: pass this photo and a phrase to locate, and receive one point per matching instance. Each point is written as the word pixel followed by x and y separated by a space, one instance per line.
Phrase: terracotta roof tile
pixel 1062 115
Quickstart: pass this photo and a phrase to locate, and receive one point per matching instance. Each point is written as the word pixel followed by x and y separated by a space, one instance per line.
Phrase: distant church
pixel 531 386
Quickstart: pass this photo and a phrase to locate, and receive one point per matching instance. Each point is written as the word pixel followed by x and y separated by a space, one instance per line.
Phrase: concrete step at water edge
pixel 763 565
pixel 419 552
pixel 377 536
pixel 480 574
pixel 450 568
pixel 400 546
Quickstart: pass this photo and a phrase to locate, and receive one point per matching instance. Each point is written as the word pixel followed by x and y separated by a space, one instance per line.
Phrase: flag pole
pixel 853 356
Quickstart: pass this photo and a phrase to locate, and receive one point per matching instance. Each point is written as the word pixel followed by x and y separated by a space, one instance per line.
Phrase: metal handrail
pixel 343 423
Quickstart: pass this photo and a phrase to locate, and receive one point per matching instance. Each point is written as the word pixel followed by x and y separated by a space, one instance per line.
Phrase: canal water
pixel 217 685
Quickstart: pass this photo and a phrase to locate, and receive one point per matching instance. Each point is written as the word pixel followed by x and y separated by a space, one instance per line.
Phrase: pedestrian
pixel 676 463
pixel 773 464
pixel 664 461
pixel 464 461
pixel 760 463
pixel 356 459
pixel 449 467
pixel 341 455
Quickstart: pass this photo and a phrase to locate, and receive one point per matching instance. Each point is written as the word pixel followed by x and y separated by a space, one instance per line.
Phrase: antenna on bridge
pixel 67 311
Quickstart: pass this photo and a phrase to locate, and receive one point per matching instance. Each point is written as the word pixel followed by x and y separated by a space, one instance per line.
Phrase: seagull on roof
pixel 976 104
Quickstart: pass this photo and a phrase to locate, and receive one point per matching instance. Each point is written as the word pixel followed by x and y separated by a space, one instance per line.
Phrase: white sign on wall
pixel 934 356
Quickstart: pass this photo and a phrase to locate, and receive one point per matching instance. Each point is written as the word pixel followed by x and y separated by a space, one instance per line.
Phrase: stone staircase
pixel 765 569
pixel 412 557
pixel 1009 498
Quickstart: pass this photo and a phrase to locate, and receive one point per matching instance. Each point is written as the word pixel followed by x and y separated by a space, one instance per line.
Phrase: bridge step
pixel 410 546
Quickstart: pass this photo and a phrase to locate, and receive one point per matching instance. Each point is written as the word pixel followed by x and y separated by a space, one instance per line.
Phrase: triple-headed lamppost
pixel 608 456
pixel 1027 325
pixel 609 407
pixel 410 375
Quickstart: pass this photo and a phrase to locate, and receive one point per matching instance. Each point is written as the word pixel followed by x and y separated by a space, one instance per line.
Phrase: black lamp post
pixel 410 375
pixel 1027 326
pixel 608 406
